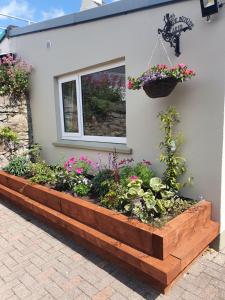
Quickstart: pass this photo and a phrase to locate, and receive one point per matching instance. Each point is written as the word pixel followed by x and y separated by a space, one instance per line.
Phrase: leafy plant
pixel 141 204
pixel 101 182
pixel 115 198
pixel 35 152
pixel 19 166
pixel 170 156
pixel 9 139
pixel 41 173
pixel 142 170
pixel 82 187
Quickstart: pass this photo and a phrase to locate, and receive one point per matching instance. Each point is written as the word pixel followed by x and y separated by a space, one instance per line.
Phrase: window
pixel 93 105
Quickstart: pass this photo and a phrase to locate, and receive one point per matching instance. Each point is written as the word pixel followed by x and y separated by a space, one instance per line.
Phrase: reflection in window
pixel 103 100
pixel 69 96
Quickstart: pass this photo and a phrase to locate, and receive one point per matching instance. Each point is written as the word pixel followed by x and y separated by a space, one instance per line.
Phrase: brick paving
pixel 37 262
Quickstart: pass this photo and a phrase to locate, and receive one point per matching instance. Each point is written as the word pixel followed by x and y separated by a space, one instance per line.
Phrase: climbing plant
pixel 170 146
pixel 14 77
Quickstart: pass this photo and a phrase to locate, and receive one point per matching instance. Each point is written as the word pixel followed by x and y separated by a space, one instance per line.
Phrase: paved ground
pixel 37 262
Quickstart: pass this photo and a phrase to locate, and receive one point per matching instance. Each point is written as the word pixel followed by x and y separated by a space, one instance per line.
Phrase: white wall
pixel 5 46
pixel 200 101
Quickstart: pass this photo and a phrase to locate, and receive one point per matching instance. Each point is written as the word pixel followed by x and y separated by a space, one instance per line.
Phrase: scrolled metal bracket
pixel 173 28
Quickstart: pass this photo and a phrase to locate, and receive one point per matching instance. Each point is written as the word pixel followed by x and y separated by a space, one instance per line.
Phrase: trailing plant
pixel 19 166
pixel 14 77
pixel 170 146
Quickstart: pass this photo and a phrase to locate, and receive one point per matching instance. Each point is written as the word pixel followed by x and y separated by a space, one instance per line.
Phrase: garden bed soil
pixel 158 255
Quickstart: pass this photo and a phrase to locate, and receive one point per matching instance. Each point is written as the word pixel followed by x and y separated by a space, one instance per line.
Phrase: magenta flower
pixel 133 178
pixel 79 170
pixel 72 159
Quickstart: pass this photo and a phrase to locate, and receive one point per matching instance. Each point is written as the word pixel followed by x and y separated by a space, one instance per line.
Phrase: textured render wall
pixel 15 117
pixel 200 101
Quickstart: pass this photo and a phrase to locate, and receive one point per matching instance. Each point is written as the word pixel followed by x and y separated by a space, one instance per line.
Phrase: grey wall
pixel 200 101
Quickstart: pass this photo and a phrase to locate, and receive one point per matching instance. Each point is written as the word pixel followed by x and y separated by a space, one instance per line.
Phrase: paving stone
pixel 104 294
pixel 38 263
pixel 21 291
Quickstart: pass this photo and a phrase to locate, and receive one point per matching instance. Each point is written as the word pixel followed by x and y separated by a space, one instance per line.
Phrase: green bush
pixel 141 170
pixel 101 182
pixel 19 166
pixel 115 198
pixel 82 188
pixel 41 173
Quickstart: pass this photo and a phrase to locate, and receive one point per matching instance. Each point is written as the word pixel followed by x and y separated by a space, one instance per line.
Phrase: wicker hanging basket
pixel 160 87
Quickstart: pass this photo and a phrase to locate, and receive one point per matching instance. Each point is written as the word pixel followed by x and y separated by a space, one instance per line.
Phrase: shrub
pixel 115 198
pixel 82 187
pixel 41 173
pixel 101 182
pixel 19 166
pixel 14 77
pixel 142 170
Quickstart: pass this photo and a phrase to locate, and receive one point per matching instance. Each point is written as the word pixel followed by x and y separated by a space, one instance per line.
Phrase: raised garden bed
pixel 159 255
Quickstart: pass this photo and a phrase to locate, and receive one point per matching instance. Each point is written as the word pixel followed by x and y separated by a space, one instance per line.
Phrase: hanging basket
pixel 160 87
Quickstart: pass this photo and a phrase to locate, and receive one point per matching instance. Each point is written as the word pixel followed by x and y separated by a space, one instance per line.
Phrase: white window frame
pixel 80 134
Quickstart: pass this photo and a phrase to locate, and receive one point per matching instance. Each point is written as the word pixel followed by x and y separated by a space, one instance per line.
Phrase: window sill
pixel 99 146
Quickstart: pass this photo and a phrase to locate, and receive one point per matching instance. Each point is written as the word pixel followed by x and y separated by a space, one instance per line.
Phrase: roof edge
pixel 106 11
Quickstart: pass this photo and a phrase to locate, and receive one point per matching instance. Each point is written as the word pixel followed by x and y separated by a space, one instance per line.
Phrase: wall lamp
pixel 210 7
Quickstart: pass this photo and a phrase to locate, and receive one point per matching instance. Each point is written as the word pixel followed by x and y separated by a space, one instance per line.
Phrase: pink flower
pixel 182 66
pixel 83 157
pixel 79 170
pixel 72 159
pixel 133 178
pixel 130 85
pixel 147 162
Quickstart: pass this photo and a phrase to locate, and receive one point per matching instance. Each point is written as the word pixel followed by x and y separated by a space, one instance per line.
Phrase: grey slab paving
pixel 37 262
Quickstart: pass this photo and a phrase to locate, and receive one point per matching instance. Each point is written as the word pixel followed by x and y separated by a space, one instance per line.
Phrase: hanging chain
pixel 158 42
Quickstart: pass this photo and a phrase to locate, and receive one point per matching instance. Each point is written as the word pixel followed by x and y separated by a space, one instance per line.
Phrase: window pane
pixel 69 95
pixel 104 106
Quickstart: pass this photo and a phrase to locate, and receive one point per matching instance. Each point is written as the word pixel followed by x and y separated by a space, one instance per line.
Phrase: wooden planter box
pixel 158 255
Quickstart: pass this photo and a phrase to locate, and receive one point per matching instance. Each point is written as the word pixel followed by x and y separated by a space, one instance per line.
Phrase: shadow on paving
pixel 127 279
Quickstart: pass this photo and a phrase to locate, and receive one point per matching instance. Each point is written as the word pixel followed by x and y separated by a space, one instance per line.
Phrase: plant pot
pixel 160 88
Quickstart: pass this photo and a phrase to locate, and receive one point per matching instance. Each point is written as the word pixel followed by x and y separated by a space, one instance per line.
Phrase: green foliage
pixel 101 182
pixel 115 198
pixel 19 166
pixel 170 156
pixel 35 152
pixel 41 173
pixel 7 134
pixel 82 187
pixel 141 170
pixel 141 204
pixel 9 139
